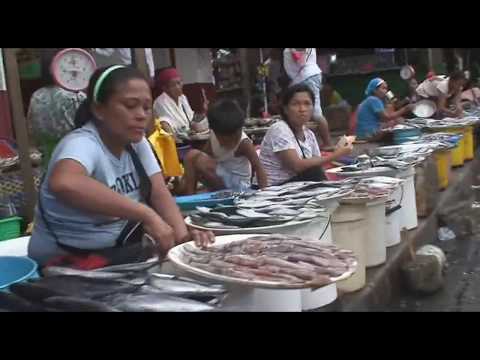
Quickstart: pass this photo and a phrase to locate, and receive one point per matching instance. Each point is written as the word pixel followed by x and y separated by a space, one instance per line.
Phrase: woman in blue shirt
pixel 372 112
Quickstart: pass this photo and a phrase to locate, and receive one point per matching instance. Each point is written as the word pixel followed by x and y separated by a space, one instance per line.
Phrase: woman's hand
pixel 343 151
pixel 195 127
pixel 459 111
pixel 343 148
pixel 410 107
pixel 201 238
pixel 160 231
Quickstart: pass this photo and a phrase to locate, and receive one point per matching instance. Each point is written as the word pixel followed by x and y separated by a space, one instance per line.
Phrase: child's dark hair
pixel 107 89
pixel 225 117
pixel 289 93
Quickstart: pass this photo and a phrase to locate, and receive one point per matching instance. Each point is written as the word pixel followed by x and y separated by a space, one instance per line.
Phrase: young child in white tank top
pixel 229 158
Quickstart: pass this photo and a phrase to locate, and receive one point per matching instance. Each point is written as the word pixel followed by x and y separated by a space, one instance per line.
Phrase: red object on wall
pixel 193 92
pixel 6 130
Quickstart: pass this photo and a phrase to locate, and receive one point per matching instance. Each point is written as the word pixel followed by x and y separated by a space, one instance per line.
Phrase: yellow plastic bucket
pixel 443 160
pixel 458 154
pixel 469 144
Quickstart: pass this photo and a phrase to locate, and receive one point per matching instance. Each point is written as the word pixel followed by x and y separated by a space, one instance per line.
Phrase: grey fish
pixel 181 287
pixel 306 215
pixel 74 304
pixel 70 286
pixel 213 225
pixel 285 212
pixel 58 271
pixel 227 210
pixel 248 213
pixel 164 276
pixel 141 266
pixel 203 210
pixel 35 292
pixel 253 204
pixel 155 303
pixel 14 303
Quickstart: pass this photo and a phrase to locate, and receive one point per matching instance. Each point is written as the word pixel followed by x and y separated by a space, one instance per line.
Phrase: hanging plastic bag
pixel 166 150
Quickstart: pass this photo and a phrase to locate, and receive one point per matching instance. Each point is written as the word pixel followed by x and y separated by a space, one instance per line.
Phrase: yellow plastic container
pixel 458 154
pixel 166 150
pixel 469 144
pixel 443 159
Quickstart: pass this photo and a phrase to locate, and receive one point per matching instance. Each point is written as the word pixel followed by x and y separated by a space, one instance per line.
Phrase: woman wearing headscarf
pixel 172 106
pixel 372 111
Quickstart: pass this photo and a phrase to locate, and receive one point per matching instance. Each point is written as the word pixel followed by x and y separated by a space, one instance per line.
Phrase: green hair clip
pixel 102 78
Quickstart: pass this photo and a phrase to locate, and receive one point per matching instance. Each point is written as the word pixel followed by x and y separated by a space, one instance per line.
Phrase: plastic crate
pixel 10 228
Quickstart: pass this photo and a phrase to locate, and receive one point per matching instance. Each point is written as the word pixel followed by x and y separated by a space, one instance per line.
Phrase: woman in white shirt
pixel 301 67
pixel 446 92
pixel 172 106
pixel 290 150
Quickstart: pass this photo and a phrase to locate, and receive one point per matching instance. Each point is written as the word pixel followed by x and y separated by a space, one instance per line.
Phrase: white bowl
pixel 425 109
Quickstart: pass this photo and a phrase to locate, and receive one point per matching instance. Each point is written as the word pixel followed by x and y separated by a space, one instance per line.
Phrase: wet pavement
pixel 461 292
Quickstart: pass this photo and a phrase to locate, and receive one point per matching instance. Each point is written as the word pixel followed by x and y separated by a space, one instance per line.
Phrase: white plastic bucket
pixel 248 298
pixel 392 234
pixel 349 229
pixel 325 295
pixel 408 217
pixel 245 298
pixel 375 244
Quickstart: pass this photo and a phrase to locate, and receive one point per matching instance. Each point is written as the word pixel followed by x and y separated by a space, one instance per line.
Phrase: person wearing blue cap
pixel 372 112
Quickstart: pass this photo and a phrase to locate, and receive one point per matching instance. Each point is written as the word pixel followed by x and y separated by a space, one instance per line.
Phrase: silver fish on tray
pixel 254 204
pixel 76 304
pixel 248 213
pixel 58 271
pixel 140 266
pixel 155 303
pixel 184 288
pixel 285 211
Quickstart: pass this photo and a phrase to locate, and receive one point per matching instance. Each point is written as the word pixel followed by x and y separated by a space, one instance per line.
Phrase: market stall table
pixel 250 295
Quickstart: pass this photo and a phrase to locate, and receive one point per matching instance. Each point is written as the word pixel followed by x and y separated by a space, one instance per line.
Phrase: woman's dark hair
pixel 458 75
pixel 107 89
pixel 289 93
pixel 225 117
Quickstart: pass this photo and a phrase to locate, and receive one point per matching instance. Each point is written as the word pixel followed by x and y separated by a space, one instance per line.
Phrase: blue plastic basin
pixel 14 269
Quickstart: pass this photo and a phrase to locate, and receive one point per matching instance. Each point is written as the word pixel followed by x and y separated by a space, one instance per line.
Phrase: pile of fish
pixel 236 217
pixel 473 111
pixel 374 187
pixel 295 193
pixel 277 259
pixel 275 205
pixel 444 123
pixel 131 288
pixel 410 153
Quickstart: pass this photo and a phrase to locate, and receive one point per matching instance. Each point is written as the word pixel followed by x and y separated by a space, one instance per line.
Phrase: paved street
pixel 461 292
